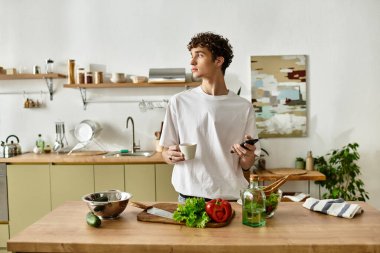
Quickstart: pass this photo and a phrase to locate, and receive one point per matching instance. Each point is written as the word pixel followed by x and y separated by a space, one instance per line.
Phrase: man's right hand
pixel 172 155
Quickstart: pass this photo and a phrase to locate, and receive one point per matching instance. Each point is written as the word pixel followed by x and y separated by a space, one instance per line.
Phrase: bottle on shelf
pixel 71 77
pixel 253 204
pixel 309 161
pixel 49 66
pixel 40 144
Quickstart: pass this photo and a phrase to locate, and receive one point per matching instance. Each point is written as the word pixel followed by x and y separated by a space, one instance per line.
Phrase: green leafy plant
pixel 341 171
pixel 300 163
pixel 260 162
pixel 193 212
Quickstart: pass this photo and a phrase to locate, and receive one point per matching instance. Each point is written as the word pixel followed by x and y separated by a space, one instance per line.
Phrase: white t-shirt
pixel 214 123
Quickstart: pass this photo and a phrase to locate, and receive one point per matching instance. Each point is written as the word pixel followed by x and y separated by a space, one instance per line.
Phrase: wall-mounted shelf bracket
pixel 83 93
pixel 49 84
pixel 24 93
pixel 48 78
pixel 143 104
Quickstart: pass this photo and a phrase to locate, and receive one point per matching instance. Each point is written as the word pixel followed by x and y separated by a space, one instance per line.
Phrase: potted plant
pixel 300 163
pixel 261 163
pixel 342 171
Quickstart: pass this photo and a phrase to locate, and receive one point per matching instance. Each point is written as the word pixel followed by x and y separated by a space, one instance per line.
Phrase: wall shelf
pixel 130 85
pixel 47 77
pixel 31 76
pixel 83 88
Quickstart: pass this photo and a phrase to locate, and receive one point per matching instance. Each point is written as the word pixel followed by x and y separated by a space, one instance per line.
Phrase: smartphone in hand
pixel 250 142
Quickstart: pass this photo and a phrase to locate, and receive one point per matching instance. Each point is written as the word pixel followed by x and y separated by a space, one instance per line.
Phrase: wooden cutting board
pixel 88 153
pixel 288 171
pixel 171 207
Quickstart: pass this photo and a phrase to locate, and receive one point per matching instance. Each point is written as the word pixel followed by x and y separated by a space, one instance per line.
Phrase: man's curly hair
pixel 217 44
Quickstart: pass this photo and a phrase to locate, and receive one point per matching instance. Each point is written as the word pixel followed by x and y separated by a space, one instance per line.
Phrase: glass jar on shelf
pixel 98 77
pixel 88 77
pixel 49 66
pixel 81 76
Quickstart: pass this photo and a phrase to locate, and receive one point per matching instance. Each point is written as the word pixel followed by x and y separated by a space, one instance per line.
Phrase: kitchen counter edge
pixel 53 158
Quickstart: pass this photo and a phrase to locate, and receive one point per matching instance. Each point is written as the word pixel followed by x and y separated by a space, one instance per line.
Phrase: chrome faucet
pixel 134 146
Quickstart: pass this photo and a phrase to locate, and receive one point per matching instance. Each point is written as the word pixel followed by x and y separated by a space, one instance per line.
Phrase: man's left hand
pixel 247 154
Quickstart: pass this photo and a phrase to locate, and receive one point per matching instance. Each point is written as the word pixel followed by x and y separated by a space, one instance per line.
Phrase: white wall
pixel 341 39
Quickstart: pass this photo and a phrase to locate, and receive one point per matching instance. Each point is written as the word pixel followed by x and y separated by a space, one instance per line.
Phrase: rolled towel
pixel 335 207
pixel 297 198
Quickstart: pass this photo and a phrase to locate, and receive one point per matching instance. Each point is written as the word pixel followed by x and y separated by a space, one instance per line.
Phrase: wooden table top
pixel 292 229
pixel 268 175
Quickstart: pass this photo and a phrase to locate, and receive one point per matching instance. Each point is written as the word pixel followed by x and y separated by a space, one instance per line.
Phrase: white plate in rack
pixel 86 130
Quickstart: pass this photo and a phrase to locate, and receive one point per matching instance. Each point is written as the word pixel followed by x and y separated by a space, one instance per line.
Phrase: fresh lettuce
pixel 193 212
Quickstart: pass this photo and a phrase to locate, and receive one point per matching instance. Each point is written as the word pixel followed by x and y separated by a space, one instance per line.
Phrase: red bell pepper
pixel 218 210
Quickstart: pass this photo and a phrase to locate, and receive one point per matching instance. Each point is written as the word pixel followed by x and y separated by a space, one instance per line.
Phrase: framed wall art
pixel 279 95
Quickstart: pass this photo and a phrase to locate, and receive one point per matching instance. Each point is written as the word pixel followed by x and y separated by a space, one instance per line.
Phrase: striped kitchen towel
pixel 335 207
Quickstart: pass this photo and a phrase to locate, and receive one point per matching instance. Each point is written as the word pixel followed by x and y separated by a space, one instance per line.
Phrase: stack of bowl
pixel 138 79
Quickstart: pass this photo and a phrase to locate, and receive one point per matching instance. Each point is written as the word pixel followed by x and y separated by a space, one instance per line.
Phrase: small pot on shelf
pixel 300 163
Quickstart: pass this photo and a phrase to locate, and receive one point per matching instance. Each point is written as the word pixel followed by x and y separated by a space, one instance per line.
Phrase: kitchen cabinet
pixel 108 177
pixel 35 189
pixel 140 181
pixel 47 77
pixel 4 236
pixel 70 182
pixel 164 189
pixel 28 195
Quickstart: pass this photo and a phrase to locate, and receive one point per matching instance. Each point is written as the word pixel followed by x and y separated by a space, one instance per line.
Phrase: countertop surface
pixel 292 229
pixel 54 158
pixel 270 175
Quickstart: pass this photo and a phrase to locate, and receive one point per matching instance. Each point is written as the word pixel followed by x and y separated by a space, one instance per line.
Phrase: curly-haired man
pixel 214 118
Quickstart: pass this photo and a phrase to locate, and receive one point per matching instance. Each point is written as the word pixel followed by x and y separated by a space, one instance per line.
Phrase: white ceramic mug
pixel 158 147
pixel 117 77
pixel 188 150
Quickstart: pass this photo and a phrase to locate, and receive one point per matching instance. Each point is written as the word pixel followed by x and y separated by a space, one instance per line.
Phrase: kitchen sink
pixel 139 153
pixel 136 153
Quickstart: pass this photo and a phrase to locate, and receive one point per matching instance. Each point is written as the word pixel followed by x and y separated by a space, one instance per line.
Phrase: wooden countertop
pixel 31 158
pixel 53 158
pixel 268 175
pixel 292 229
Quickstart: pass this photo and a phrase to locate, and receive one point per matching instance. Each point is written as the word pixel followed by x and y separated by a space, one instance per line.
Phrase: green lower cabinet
pixel 70 182
pixel 34 190
pixel 109 177
pixel 28 195
pixel 4 236
pixel 164 188
pixel 140 181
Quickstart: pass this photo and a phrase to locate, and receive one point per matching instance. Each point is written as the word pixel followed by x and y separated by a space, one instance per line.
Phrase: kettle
pixel 12 149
